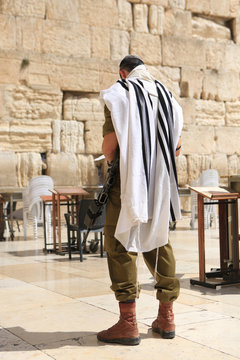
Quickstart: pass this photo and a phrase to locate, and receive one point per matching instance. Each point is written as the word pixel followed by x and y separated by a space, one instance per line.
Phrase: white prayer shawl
pixel 147 129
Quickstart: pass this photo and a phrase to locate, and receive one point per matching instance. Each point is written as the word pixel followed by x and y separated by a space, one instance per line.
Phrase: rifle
pixel 99 204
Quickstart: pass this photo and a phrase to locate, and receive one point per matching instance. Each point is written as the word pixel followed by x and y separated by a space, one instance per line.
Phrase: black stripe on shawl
pixel 172 212
pixel 145 129
pixel 121 82
pixel 169 118
pixel 149 97
pixel 163 151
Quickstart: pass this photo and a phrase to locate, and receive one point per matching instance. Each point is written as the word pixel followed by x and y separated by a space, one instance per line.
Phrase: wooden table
pixel 227 202
pixel 72 195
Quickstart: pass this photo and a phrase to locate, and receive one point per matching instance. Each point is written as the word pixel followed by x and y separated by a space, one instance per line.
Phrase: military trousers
pixel 122 264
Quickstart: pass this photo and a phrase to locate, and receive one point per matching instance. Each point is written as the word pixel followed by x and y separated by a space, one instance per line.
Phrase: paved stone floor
pixel 52 308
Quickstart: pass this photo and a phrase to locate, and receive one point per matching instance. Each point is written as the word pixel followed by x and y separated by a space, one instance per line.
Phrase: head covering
pixel 129 62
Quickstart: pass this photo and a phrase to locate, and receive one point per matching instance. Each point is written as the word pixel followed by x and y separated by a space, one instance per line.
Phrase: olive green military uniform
pixel 122 264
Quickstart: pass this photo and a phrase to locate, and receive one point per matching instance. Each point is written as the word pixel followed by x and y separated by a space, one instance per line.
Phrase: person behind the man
pixel 143 124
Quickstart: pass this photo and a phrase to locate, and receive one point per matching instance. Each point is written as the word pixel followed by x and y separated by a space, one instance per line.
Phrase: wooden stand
pixel 228 237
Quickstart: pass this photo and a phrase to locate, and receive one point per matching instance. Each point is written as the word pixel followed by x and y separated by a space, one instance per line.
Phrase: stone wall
pixel 55 57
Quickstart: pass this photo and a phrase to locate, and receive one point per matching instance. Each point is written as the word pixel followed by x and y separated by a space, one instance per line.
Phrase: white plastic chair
pixel 39 186
pixel 194 204
pixel 209 178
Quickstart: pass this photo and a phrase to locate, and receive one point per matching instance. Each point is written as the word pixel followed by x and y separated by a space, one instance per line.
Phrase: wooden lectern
pixel 227 202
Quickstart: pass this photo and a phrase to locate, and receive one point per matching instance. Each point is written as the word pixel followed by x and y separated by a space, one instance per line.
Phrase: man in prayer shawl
pixel 143 124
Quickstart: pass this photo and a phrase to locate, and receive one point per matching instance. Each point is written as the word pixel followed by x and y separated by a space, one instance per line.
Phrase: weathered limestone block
pixel 156 19
pixel 29 165
pixel 220 163
pixel 26 103
pixel 188 107
pixel 150 2
pixel 119 44
pixel 236 30
pixel 221 86
pixel 198 139
pixel 63 168
pixel 215 51
pixel 168 76
pixel 233 113
pixel 227 140
pixel 140 18
pixel 231 57
pixel 9 70
pixel 60 37
pixel 98 13
pixel 182 171
pixel 72 136
pixel 178 51
pixel 177 3
pixel 191 83
pixel 62 10
pixel 93 137
pixel 209 29
pixel 88 174
pixel 4 136
pixel 29 32
pixel 125 15
pixel 100 48
pixel 8 166
pixel 223 8
pixel 31 135
pixel 82 108
pixel 210 113
pixel 56 136
pixel 7 32
pixel 177 23
pixel 196 165
pixel 34 8
pixel 233 165
pixel 140 42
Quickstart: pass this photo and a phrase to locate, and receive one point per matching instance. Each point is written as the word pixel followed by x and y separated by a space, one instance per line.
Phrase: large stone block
pixel 198 140
pixel 140 42
pixel 88 174
pixel 215 51
pixel 210 113
pixel 221 86
pixel 233 165
pixel 30 135
pixel 34 8
pixel 189 114
pixel 22 102
pixel 156 19
pixel 98 13
pixel 177 3
pixel 196 165
pixel 29 33
pixel 227 140
pixel 29 165
pixel 66 10
pixel 9 70
pixel 220 163
pixel 8 166
pixel 177 23
pixel 63 168
pixel 56 136
pixel 191 83
pixel 209 29
pixel 178 51
pixel 119 44
pixel 125 17
pixel 233 113
pixel 168 76
pixel 140 18
pixel 223 8
pixel 93 137
pixel 231 57
pixel 82 108
pixel 72 136
pixel 7 32
pixel 100 48
pixel 182 170
pixel 60 37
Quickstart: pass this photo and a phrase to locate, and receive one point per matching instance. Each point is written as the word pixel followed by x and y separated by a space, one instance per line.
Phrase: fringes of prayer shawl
pixel 149 194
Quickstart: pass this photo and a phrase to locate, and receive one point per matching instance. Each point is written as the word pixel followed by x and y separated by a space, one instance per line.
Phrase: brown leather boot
pixel 164 324
pixel 125 332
